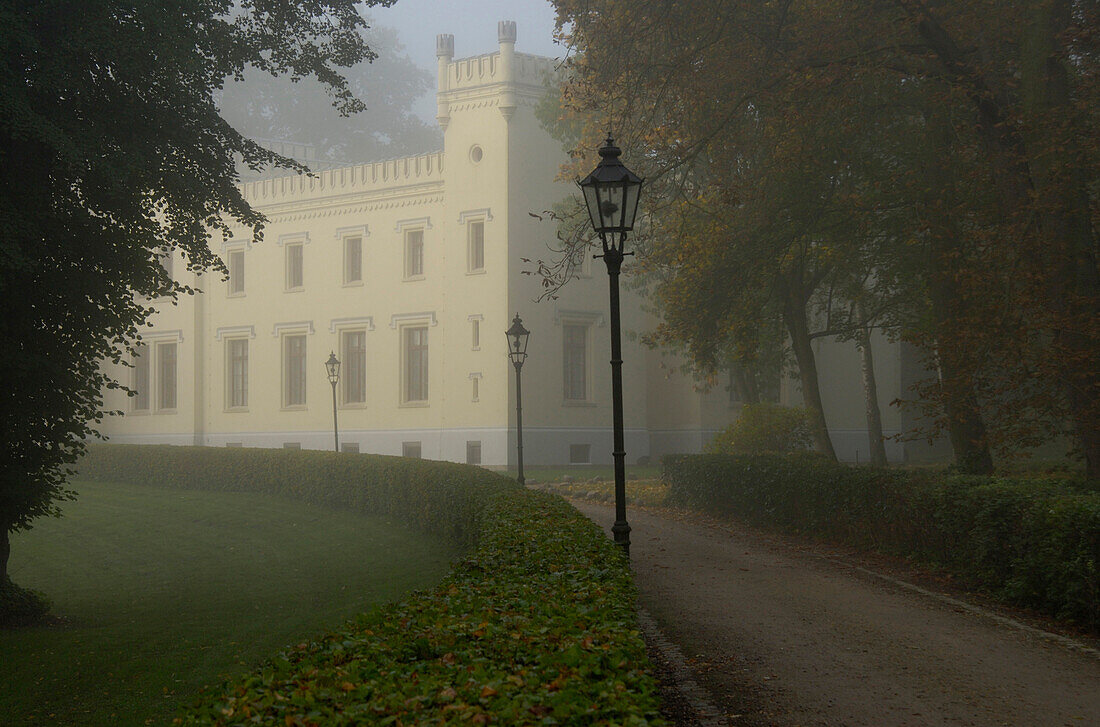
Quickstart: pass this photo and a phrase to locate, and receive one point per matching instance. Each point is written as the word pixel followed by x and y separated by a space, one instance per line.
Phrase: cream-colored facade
pixel 410 270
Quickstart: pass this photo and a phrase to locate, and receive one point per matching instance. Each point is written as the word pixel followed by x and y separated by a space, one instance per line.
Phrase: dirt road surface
pixel 778 635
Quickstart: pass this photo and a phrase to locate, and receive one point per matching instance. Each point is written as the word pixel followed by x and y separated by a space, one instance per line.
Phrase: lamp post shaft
pixel 621 529
pixel 335 431
pixel 519 424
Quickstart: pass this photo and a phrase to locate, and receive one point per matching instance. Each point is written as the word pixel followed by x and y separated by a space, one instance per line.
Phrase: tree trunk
pixel 870 394
pixel 948 306
pixel 794 315
pixel 1068 250
pixel 5 551
pixel 1065 227
pixel 744 384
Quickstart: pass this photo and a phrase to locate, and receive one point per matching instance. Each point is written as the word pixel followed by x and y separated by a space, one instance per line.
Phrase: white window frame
pixel 284 388
pixel 345 367
pixel 475 386
pixel 142 360
pixel 586 364
pixel 405 332
pixel 472 263
pixel 290 249
pixel 475 331
pixel 161 352
pixel 229 374
pixel 408 236
pixel 235 286
pixel 347 235
pixel 152 343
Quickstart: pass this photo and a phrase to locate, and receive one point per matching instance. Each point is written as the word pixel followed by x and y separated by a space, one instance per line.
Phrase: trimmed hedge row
pixel 535 624
pixel 1031 542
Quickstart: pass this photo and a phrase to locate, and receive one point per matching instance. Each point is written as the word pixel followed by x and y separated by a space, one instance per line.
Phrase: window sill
pixel 353 405
pixel 295 407
pixel 169 412
pixel 239 294
pixel 414 405
pixel 353 284
pixel 295 290
pixel 235 410
pixel 479 271
pixel 578 402
pixel 412 278
pixel 139 412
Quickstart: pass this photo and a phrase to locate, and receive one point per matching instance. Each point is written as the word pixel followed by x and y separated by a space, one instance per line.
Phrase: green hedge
pixel 1031 542
pixel 535 624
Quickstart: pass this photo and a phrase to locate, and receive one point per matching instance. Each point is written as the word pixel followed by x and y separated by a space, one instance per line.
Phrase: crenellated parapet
pixel 372 176
pixel 505 74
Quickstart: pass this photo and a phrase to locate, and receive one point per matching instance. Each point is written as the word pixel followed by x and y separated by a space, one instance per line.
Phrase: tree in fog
pixel 926 168
pixel 113 154
pixel 276 107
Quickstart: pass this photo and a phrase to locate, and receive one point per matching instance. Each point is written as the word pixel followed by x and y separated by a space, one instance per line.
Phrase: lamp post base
pixel 621 531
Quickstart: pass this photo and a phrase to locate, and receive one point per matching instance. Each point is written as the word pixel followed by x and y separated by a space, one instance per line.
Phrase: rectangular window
pixel 354 376
pixel 473 452
pixel 236 272
pixel 477 385
pixel 353 259
pixel 166 261
pixel 349 447
pixel 410 449
pixel 294 277
pixel 141 377
pixel 475 235
pixel 294 370
pixel 166 376
pixel 414 253
pixel 580 453
pixel 575 362
pixel 292 445
pixel 416 364
pixel 234 445
pixel 475 334
pixel 237 373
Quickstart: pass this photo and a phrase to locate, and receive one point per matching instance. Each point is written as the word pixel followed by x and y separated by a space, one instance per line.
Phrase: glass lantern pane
pixel 630 207
pixel 611 205
pixel 592 202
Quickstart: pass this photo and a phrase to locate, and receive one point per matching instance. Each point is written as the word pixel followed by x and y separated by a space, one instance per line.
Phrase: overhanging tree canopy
pixel 112 152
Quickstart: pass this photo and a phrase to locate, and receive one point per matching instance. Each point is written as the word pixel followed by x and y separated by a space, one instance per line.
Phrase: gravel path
pixel 778 635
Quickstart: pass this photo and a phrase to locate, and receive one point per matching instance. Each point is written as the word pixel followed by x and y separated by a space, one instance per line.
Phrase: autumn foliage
pixel 926 169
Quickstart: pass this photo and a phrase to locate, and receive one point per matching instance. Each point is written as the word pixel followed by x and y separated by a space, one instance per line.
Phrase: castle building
pixel 410 271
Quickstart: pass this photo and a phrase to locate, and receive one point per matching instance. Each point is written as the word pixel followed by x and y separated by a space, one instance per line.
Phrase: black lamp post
pixel 611 194
pixel 517 351
pixel 333 368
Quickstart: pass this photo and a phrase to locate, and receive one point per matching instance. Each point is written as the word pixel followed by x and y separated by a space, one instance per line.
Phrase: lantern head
pixel 611 192
pixel 332 366
pixel 517 341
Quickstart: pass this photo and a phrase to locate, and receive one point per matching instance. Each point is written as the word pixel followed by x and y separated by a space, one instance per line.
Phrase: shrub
pixel 1031 542
pixel 21 607
pixel 763 428
pixel 535 624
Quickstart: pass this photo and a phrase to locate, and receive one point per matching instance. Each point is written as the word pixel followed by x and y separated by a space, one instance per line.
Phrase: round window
pixel 475 154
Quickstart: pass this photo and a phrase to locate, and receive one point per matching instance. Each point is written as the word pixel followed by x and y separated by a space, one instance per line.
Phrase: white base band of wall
pixel 541 445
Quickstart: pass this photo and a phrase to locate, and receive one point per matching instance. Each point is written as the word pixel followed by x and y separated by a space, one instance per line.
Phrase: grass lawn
pixel 164 591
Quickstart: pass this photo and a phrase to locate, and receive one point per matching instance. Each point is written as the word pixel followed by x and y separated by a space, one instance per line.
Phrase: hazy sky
pixel 474 26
